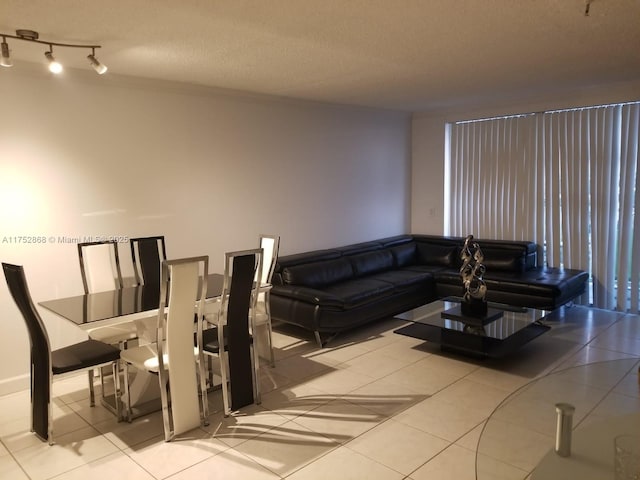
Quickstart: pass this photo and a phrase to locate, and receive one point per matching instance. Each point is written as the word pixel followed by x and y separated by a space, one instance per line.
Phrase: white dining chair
pixel 270 245
pixel 100 270
pixel 174 357
pixel 99 266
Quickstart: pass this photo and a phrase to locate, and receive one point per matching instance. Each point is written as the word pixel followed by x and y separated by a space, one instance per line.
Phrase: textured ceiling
pixel 401 54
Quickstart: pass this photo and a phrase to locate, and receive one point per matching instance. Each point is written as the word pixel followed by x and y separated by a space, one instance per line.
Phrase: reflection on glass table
pixel 518 439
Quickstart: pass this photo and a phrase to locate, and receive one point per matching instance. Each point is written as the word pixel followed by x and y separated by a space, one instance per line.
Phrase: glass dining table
pixel 517 440
pixel 139 305
pixel 128 304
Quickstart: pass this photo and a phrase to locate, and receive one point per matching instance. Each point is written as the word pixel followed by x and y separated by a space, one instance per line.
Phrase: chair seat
pixel 114 334
pixel 82 355
pixel 210 342
pixel 145 357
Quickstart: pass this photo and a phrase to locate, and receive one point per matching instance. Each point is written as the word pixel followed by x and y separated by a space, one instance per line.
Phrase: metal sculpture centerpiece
pixel 474 303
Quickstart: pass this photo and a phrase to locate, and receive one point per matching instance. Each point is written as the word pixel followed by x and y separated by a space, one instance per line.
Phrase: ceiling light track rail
pixel 31 36
pixel 54 66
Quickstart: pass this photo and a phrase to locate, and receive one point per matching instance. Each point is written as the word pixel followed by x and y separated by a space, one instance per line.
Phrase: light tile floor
pixel 373 405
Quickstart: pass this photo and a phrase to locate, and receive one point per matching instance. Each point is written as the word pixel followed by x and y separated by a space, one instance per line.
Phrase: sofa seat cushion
pixel 539 282
pixel 434 270
pixel 308 295
pixel 404 279
pixel 357 292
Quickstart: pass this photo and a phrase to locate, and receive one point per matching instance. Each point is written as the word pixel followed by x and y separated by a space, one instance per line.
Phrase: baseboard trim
pixel 14 384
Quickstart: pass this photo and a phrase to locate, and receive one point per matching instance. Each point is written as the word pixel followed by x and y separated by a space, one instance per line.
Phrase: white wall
pixel 84 155
pixel 428 141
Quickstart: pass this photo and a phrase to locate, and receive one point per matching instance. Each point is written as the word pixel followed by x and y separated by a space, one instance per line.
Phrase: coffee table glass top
pixel 497 338
pixel 513 319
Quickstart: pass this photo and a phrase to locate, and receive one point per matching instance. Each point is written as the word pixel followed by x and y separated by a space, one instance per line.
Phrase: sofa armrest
pixel 307 295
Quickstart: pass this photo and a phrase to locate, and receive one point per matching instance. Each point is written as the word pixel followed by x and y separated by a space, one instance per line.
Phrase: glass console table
pixel 497 338
pixel 518 439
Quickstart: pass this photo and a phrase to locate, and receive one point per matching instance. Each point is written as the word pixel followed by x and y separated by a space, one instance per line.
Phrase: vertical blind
pixel 566 179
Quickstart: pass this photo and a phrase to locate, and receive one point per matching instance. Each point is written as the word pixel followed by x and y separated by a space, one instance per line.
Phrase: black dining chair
pixel 147 255
pixel 47 363
pixel 232 330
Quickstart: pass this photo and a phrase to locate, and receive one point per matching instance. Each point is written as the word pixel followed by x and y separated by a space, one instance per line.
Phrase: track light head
pixel 100 68
pixel 5 60
pixel 54 66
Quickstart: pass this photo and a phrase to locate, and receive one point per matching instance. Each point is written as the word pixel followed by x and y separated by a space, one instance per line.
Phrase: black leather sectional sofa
pixel 329 291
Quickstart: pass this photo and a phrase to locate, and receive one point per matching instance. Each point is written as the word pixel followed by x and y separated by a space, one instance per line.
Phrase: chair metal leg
pixel 272 355
pixel 256 374
pixel 203 390
pixel 116 389
pixel 122 345
pixel 224 358
pixel 270 332
pixel 163 378
pixel 92 395
pixel 101 375
pixel 210 368
pixel 127 393
pixel 50 412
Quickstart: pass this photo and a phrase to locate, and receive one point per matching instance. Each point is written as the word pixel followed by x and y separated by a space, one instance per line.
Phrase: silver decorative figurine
pixel 472 269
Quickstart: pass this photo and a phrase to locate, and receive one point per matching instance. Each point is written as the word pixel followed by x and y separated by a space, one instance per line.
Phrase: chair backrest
pixel 99 266
pixel 241 269
pixel 40 349
pixel 147 255
pixel 270 245
pixel 187 287
pixel 238 300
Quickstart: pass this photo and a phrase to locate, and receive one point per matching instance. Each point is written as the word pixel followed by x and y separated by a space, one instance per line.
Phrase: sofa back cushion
pixel 404 255
pixel 371 262
pixel 318 274
pixel 438 255
pixel 357 248
pixel 504 259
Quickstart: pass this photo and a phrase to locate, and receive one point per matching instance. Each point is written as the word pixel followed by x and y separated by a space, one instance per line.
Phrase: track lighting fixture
pixel 54 66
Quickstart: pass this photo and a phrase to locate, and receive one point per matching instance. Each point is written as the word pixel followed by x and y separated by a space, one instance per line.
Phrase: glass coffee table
pixel 502 336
